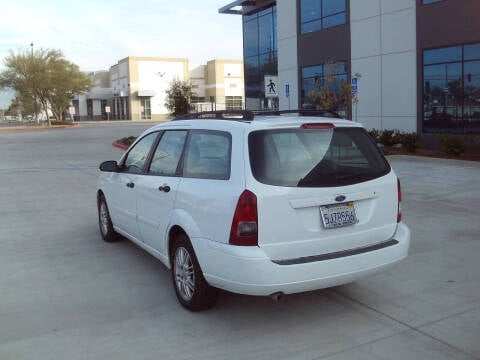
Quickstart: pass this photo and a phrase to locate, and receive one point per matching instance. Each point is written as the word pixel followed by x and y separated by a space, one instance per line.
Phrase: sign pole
pixel 355 95
pixel 107 110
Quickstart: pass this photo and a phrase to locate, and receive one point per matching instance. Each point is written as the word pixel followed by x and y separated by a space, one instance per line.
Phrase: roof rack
pixel 238 115
pixel 248 115
pixel 302 112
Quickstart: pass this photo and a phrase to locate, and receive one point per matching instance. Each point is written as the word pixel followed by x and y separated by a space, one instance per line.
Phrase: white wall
pixel 233 81
pixel 287 53
pixel 156 76
pixel 383 51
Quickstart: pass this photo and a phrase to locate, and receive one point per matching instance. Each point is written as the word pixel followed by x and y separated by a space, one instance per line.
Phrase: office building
pixel 415 63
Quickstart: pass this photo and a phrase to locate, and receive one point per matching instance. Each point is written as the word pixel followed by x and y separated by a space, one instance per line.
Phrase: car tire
pixel 105 222
pixel 192 290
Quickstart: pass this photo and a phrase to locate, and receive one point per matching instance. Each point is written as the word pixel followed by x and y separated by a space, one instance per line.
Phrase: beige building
pixel 139 85
pixel 135 88
pixel 218 85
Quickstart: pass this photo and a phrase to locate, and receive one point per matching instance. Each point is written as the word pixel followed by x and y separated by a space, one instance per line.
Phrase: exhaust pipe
pixel 277 296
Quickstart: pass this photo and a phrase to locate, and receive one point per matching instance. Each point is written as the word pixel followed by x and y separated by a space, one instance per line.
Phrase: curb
pixel 14 128
pixel 431 159
pixel 119 146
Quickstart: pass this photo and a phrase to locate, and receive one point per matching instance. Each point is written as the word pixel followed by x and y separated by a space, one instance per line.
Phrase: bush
pixel 452 145
pixel 375 134
pixel 61 122
pixel 127 141
pixel 387 137
pixel 473 144
pixel 410 141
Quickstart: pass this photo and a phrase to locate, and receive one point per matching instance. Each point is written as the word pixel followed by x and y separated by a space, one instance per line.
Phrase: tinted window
pixel 167 155
pixel 315 158
pixel 451 89
pixel 208 155
pixel 472 52
pixel 137 156
pixel 321 14
pixel 442 55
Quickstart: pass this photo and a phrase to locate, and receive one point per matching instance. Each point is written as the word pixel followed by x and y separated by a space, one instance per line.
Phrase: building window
pixel 197 99
pixel 323 85
pixel 233 103
pixel 451 89
pixel 260 53
pixel 321 14
pixel 146 108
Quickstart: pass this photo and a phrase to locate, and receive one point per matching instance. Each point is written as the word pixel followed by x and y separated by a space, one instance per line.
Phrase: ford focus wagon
pixel 257 205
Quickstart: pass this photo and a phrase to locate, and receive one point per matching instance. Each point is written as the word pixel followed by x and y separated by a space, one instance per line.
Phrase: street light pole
pixel 34 97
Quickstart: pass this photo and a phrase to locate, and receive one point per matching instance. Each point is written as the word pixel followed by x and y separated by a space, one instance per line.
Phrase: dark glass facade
pixel 321 14
pixel 260 55
pixel 451 89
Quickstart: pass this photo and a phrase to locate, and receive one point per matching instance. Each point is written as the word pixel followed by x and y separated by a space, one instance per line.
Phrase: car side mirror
pixel 109 166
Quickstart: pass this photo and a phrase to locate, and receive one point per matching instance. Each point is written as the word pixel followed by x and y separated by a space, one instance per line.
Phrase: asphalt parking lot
pixel 65 294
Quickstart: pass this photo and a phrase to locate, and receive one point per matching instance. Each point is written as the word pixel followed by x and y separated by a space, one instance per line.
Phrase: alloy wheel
pixel 184 274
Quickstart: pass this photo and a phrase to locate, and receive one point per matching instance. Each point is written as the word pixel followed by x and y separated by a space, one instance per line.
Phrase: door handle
pixel 130 185
pixel 164 188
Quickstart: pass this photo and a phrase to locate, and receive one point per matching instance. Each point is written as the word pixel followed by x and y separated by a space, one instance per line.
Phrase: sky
pixel 96 34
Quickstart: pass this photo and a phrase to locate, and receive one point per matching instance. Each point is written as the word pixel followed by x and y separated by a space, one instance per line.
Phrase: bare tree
pixel 335 93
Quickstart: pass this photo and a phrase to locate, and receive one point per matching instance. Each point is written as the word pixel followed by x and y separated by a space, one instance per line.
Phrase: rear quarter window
pixel 315 157
pixel 208 155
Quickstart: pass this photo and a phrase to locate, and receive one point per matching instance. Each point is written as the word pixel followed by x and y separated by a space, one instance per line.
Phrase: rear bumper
pixel 247 270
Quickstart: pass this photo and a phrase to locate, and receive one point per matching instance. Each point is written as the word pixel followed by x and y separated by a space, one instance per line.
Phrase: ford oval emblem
pixel 340 198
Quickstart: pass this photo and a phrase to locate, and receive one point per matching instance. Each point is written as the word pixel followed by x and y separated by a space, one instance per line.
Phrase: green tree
pixel 45 77
pixel 178 97
pixel 24 104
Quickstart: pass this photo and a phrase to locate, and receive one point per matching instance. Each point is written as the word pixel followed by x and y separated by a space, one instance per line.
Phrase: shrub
pixel 375 134
pixel 127 141
pixel 387 137
pixel 452 145
pixel 410 141
pixel 473 144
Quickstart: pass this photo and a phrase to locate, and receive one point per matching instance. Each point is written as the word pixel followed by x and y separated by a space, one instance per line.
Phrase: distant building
pixel 139 85
pixel 219 85
pixel 92 105
pixel 135 88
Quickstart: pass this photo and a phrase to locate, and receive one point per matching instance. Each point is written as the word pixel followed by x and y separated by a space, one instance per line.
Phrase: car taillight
pixel 399 212
pixel 244 229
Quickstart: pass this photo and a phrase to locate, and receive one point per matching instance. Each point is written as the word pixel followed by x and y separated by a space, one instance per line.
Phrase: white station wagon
pixel 258 205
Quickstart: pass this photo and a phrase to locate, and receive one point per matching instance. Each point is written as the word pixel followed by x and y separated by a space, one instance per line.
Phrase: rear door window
pixel 315 157
pixel 167 155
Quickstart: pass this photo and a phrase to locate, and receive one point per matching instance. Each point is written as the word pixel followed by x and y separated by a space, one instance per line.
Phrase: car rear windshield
pixel 315 157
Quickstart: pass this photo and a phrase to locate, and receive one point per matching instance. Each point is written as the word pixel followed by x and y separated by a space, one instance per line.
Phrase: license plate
pixel 338 215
